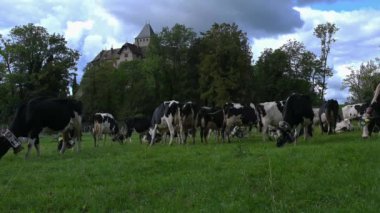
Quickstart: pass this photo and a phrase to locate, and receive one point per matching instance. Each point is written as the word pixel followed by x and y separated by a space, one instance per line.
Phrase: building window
pixel 126 55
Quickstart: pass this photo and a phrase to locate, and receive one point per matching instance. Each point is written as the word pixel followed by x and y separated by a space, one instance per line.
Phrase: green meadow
pixel 337 173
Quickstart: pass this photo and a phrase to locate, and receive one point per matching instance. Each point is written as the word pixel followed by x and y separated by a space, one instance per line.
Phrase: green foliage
pixel 363 81
pixel 33 63
pixel 225 65
pixel 281 72
pixel 326 174
pixel 173 74
pixel 325 33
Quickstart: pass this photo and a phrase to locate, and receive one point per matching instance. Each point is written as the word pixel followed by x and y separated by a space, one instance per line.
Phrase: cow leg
pixel 153 134
pixel 65 137
pixel 297 132
pixel 193 134
pixel 201 133
pixel 171 130
pixel 30 146
pixel 264 130
pixel 307 128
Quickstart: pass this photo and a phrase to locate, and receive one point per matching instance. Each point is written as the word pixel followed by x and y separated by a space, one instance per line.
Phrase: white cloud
pixel 75 29
pixel 358 40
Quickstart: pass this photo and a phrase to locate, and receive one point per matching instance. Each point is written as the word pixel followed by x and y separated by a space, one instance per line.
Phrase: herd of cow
pixel 282 120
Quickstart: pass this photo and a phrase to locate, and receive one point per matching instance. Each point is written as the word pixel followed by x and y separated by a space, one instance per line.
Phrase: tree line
pixel 211 68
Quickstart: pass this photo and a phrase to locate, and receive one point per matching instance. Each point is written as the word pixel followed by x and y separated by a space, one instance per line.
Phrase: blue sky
pixel 346 5
pixel 93 25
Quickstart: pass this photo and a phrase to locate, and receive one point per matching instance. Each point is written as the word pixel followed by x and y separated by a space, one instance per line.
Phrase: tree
pixel 168 60
pixel 96 91
pixel 37 62
pixel 325 33
pixel 225 65
pixel 288 69
pixel 363 81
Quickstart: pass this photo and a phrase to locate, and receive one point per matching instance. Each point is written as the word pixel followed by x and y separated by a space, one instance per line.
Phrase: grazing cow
pixel 270 114
pixel 188 119
pixel 371 118
pixel 210 119
pixel 236 114
pixel 8 140
pixel 354 111
pixel 139 124
pixel 166 117
pixel 298 113
pixel 105 123
pixel 57 114
pixel 328 116
pixel 344 126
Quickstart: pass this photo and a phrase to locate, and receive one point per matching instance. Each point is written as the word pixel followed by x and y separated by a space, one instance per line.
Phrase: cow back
pixel 298 107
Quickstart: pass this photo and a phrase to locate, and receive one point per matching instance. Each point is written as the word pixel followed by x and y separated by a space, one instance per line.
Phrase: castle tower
pixel 143 39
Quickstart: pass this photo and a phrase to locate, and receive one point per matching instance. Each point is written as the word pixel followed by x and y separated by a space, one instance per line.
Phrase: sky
pixel 90 26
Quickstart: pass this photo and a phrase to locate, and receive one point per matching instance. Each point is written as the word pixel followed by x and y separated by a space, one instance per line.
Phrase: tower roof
pixel 146 32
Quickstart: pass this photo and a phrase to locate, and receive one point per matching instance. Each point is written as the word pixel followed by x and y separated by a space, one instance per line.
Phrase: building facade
pixel 128 52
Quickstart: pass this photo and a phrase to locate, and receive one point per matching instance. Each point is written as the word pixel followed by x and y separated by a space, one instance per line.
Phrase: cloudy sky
pixel 92 25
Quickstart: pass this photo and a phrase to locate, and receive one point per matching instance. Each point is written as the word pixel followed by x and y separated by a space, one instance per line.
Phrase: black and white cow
pixel 57 114
pixel 140 124
pixel 237 115
pixel 210 119
pixel 354 111
pixel 166 117
pixel 371 117
pixel 188 118
pixel 344 126
pixel 298 113
pixel 329 116
pixel 105 123
pixel 270 114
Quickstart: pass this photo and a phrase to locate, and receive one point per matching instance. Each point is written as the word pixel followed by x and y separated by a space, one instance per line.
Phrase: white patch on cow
pixel 316 120
pixel 272 118
pixel 170 103
pixel 104 114
pixel 237 105
pixel 31 143
pixel 343 126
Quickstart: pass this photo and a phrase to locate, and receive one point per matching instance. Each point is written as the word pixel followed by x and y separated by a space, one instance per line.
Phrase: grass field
pixel 326 174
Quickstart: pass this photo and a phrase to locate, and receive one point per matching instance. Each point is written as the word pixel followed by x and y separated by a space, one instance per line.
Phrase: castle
pixel 128 52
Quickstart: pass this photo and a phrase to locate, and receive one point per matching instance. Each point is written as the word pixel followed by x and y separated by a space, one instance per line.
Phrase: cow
pixel 354 111
pixel 166 117
pixel 329 116
pixel 298 113
pixel 371 117
pixel 140 124
pixel 344 126
pixel 188 119
pixel 210 119
pixel 57 114
pixel 7 141
pixel 105 123
pixel 316 120
pixel 236 114
pixel 269 114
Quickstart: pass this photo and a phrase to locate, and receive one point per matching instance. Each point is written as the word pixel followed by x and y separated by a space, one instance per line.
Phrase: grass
pixel 326 174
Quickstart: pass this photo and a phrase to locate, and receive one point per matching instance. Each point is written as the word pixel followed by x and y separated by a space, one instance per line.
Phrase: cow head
pixel 8 140
pixel 147 137
pixel 370 119
pixel 69 144
pixel 284 134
